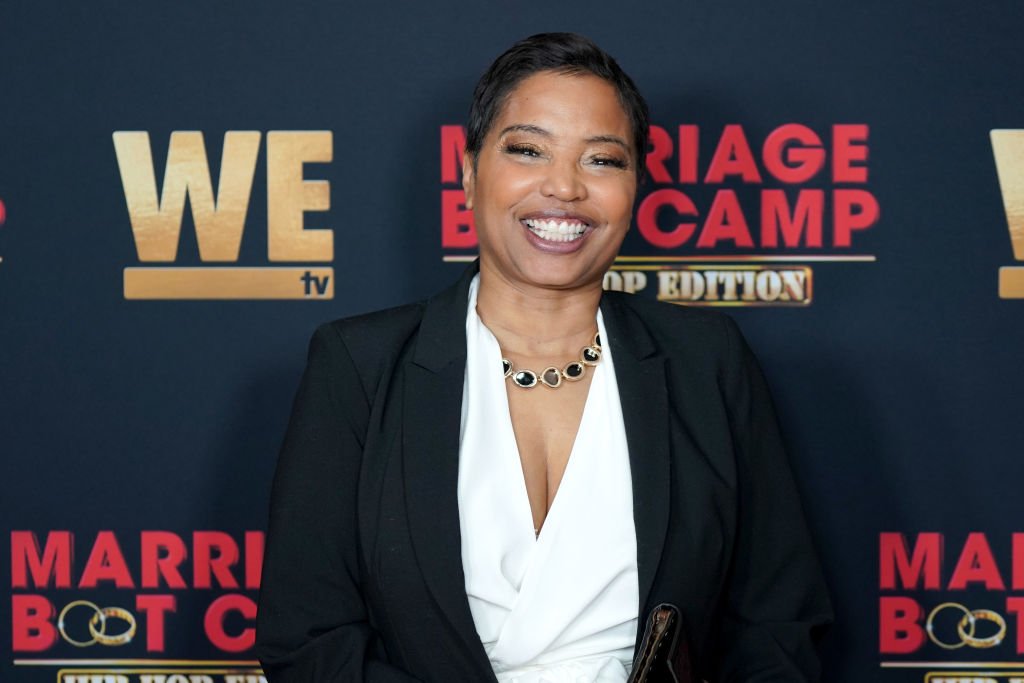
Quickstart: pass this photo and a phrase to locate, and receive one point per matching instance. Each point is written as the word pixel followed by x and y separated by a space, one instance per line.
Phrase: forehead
pixel 568 105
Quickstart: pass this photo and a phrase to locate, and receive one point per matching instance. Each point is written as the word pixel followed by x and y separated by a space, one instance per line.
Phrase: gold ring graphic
pixel 99 616
pixel 98 624
pixel 983 615
pixel 930 628
pixel 965 627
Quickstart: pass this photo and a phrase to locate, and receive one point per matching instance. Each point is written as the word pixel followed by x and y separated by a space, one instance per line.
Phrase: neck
pixel 535 321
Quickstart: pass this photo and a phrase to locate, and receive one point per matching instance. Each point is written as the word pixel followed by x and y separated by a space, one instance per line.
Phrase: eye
pixel 518 148
pixel 614 162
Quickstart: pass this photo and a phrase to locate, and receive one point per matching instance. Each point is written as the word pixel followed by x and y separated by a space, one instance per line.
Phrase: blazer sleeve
pixel 312 624
pixel 776 600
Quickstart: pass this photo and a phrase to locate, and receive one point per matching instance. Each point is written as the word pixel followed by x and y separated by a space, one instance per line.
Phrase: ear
pixel 468 178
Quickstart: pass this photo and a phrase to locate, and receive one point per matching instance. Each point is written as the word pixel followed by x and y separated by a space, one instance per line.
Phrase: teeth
pixel 556 231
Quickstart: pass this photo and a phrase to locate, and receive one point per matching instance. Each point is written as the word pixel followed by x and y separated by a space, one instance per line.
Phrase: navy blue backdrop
pixel 129 409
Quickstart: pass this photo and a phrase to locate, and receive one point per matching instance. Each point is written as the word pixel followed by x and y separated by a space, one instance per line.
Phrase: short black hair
pixel 564 53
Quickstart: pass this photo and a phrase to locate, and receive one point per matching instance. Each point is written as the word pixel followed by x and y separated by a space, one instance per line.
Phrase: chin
pixel 554 273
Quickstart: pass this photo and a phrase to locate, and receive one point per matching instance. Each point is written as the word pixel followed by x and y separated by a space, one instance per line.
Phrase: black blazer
pixel 363 580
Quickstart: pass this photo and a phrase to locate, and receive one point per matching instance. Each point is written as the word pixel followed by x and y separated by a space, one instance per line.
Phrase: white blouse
pixel 561 607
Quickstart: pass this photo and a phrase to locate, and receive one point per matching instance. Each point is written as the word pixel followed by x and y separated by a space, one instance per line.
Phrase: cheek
pixel 617 199
pixel 504 185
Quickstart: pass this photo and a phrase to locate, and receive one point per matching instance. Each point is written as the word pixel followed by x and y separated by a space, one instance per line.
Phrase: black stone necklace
pixel 552 377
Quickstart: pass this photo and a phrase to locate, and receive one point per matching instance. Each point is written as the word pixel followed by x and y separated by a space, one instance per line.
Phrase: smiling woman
pixel 603 457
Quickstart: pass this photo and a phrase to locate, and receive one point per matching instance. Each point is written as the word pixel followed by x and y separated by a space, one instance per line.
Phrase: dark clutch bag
pixel 663 655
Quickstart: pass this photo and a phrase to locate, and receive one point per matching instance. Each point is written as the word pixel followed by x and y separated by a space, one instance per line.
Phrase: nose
pixel 562 181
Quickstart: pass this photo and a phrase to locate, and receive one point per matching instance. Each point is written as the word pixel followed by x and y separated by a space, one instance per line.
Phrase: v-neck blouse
pixel 560 607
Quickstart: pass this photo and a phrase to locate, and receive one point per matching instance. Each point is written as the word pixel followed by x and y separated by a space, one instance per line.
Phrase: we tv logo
pixel 219 218
pixel 1008 148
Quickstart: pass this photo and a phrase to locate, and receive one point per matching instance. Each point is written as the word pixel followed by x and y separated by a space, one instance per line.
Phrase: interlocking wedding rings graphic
pixel 97 624
pixel 965 628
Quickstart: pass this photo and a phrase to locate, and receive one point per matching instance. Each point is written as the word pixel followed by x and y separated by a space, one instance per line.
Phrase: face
pixel 555 179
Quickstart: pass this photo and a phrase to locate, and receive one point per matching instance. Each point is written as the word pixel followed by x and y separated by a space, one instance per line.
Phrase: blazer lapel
pixel 640 374
pixel 432 412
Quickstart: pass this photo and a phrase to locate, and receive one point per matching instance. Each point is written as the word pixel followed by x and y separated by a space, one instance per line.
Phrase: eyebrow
pixel 537 130
pixel 525 128
pixel 613 139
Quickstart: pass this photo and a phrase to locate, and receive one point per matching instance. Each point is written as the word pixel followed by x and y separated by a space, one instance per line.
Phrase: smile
pixel 556 230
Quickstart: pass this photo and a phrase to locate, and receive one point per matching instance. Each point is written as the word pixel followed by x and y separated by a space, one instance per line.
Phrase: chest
pixel 546 423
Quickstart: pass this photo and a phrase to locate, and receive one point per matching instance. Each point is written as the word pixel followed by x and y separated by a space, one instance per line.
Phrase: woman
pixel 437 518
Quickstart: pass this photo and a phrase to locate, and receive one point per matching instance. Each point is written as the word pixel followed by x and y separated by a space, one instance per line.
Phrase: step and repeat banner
pixel 188 189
